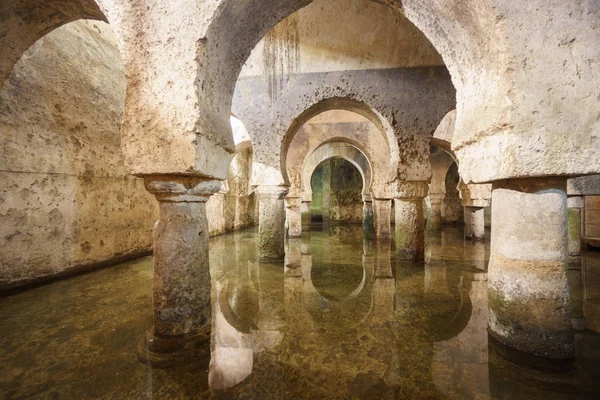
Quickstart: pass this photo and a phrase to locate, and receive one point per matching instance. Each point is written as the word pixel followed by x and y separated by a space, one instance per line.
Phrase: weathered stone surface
pixel 382 212
pixel 24 22
pixel 584 186
pixel 406 105
pixel 271 222
pixel 181 270
pixel 67 203
pixel 474 223
pixel 528 290
pixel 410 228
pixel 233 207
pixel 293 216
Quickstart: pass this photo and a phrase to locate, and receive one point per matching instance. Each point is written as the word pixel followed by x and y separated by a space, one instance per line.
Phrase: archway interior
pixel 331 131
pixel 444 187
pixel 337 187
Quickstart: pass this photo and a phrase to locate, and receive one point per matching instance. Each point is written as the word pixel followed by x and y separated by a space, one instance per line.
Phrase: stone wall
pixel 67 203
pixel 233 207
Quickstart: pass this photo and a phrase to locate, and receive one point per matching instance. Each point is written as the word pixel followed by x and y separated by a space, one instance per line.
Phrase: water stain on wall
pixel 281 55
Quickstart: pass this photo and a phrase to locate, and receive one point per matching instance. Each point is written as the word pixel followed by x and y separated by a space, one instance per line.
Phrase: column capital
pixel 475 195
pixel 271 191
pixel 411 190
pixel 181 188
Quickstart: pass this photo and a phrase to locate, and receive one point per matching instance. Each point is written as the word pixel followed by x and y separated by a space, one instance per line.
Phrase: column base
pixel 162 351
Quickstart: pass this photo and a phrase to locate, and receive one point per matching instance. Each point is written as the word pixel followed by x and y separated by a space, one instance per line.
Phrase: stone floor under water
pixel 341 318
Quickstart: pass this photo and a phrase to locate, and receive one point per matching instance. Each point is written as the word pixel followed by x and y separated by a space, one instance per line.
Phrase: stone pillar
pixel 435 217
pixel 305 213
pixel 271 222
pixel 382 209
pixel 410 220
pixel 474 223
pixel 475 197
pixel 528 291
pixel 326 193
pixel 181 301
pixel 293 216
pixel 575 205
pixel 367 219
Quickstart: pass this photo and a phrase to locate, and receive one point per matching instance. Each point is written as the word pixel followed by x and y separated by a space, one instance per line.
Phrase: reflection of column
pixel 181 272
pixel 367 219
pixel 474 223
pixel 231 358
pixel 435 217
pixel 474 251
pixel 383 259
pixel 271 303
pixel 575 276
pixel 271 223
pixel 410 220
pixel 293 255
pixel 575 204
pixel 435 276
pixel 460 365
pixel 382 209
pixel 528 291
pixel 294 216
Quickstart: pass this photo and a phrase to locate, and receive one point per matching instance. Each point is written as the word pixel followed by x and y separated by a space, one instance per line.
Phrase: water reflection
pixel 340 318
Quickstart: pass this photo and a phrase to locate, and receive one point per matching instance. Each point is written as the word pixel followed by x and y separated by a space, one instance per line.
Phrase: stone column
pixel 435 218
pixel 182 308
pixel 305 212
pixel 367 219
pixel 575 205
pixel 474 223
pixel 410 220
pixel 528 291
pixel 271 222
pixel 293 216
pixel 475 197
pixel 382 209
pixel 326 193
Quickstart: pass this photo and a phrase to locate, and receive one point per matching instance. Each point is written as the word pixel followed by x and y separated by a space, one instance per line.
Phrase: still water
pixel 341 318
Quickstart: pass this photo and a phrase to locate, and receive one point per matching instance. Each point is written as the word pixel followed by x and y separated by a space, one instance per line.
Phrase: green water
pixel 341 318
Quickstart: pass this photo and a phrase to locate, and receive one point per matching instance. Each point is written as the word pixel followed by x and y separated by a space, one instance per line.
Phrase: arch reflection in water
pixel 392 329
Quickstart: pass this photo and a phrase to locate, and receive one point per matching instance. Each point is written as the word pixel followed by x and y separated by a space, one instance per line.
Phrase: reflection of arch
pixel 347 104
pixel 341 150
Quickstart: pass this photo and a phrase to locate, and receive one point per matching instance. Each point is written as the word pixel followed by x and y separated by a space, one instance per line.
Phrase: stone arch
pixel 342 150
pixel 23 23
pixel 347 104
pixel 463 34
